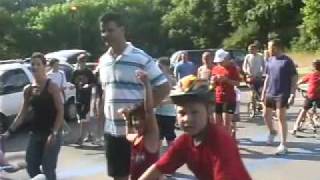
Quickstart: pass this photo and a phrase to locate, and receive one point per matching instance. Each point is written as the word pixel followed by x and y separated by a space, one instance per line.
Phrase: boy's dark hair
pixel 112 16
pixel 252 46
pixel 277 43
pixel 165 61
pixel 53 61
pixel 40 56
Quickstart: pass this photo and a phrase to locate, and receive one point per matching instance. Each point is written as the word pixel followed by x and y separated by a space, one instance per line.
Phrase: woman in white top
pixel 57 76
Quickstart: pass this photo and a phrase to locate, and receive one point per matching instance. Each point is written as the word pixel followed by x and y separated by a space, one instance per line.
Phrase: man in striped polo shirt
pixel 122 89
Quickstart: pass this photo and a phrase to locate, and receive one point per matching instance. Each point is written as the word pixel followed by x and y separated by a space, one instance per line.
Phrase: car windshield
pixel 1 82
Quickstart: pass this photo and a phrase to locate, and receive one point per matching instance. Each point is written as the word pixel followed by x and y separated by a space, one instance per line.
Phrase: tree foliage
pixel 310 29
pixel 158 26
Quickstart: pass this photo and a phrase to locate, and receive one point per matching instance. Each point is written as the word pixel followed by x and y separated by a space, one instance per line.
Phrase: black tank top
pixel 44 110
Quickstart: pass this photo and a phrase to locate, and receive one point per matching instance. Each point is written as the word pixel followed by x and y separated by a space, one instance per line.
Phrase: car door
pixel 12 83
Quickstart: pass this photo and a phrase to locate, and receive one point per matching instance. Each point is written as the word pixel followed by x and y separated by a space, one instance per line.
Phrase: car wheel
pixel 71 111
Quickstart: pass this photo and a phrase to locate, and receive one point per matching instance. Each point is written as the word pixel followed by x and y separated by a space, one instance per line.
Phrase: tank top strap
pixel 45 89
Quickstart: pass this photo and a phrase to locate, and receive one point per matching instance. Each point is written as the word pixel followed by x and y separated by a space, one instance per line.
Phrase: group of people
pixel 132 95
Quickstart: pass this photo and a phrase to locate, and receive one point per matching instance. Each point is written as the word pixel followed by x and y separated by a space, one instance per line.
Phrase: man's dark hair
pixel 252 46
pixel 112 16
pixel 40 56
pixel 165 61
pixel 277 43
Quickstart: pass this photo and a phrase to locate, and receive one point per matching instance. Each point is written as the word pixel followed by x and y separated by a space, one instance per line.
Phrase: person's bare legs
pixel 227 119
pixel 84 125
pixel 283 126
pixel 218 119
pixel 299 119
pixel 267 114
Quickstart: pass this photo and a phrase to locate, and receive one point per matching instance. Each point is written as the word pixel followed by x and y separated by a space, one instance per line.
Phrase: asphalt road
pixel 302 161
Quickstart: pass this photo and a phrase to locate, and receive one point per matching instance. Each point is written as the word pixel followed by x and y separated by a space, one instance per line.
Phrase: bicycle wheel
pixel 251 110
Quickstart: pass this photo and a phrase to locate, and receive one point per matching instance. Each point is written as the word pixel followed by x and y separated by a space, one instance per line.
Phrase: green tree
pixel 197 24
pixel 270 17
pixel 310 29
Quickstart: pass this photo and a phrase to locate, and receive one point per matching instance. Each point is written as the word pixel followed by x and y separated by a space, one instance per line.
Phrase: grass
pixel 303 60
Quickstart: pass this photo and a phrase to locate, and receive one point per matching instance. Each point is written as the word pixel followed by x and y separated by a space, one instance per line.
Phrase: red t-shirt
pixel 313 80
pixel 141 159
pixel 217 157
pixel 224 91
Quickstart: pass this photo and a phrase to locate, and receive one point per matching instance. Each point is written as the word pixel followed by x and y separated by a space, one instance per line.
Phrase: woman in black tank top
pixel 44 99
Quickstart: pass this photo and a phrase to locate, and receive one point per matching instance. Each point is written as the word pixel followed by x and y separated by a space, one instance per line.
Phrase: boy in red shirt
pixel 224 77
pixel 143 131
pixel 207 149
pixel 313 94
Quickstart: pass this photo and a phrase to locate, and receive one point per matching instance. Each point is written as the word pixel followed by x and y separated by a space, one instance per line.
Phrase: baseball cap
pixel 190 89
pixel 221 55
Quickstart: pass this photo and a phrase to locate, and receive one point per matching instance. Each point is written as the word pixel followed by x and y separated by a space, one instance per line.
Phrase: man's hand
pixel 51 138
pixel 142 76
pixel 124 112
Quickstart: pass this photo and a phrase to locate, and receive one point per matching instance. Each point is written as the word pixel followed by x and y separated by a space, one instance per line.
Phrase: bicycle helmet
pixel 192 89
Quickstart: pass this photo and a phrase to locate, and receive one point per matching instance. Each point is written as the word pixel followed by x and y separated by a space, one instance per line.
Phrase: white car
pixel 67 55
pixel 13 78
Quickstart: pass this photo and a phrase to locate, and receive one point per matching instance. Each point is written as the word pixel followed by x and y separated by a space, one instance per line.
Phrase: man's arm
pixel 245 65
pixel 263 93
pixel 293 88
pixel 151 129
pixel 160 92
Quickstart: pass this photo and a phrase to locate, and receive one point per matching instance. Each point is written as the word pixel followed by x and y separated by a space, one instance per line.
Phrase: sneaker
pixel 270 139
pixel 293 132
pixel 79 142
pixel 281 150
pixel 89 138
pixel 98 142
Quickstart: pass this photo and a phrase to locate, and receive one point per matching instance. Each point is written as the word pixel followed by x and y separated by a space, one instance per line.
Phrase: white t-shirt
pixel 254 65
pixel 238 97
pixel 59 78
pixel 121 87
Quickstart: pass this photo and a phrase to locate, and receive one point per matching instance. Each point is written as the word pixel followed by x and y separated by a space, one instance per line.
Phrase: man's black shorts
pixel 225 107
pixel 118 152
pixel 271 102
pixel 83 109
pixel 308 103
pixel 166 127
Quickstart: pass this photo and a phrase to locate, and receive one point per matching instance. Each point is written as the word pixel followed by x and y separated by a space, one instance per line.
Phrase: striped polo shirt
pixel 120 85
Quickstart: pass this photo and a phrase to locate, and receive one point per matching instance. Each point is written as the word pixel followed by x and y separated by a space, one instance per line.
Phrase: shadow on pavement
pixel 297 150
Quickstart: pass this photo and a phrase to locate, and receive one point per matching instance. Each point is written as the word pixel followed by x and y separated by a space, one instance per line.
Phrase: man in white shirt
pixel 117 68
pixel 57 76
pixel 253 66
